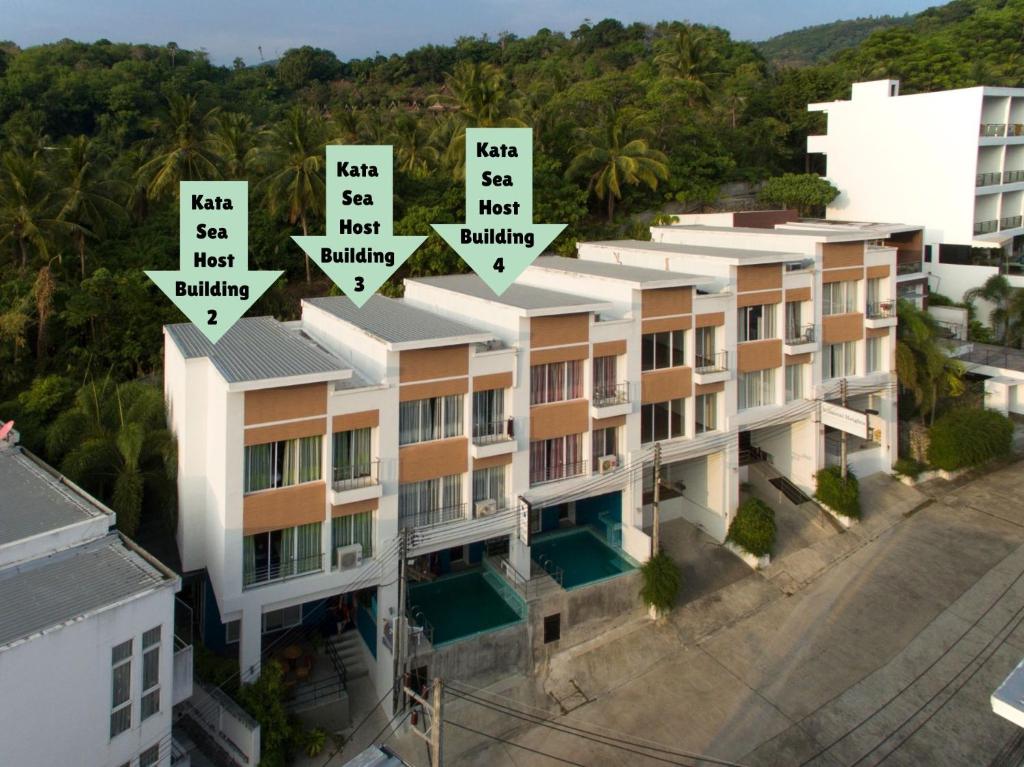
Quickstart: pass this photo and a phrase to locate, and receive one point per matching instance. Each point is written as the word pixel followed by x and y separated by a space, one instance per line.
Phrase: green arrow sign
pixel 360 250
pixel 499 239
pixel 213 286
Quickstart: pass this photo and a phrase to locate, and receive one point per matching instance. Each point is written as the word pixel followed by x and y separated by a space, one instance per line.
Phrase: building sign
pixel 845 419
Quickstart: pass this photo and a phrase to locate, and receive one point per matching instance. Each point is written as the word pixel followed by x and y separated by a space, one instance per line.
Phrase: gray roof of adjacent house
pixel 635 274
pixel 50 591
pixel 34 500
pixel 256 349
pixel 395 321
pixel 713 251
pixel 519 296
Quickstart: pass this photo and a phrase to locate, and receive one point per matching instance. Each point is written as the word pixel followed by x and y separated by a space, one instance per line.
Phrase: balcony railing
pixel 990 130
pixel 802 335
pixel 431 517
pixel 986 227
pixel 615 394
pixel 351 476
pixel 1009 222
pixel 541 474
pixel 283 570
pixel 489 432
pixel 1013 176
pixel 711 363
pixel 881 310
pixel 909 267
pixel 987 179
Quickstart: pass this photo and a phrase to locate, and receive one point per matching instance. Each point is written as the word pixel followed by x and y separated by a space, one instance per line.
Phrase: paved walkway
pixel 790 665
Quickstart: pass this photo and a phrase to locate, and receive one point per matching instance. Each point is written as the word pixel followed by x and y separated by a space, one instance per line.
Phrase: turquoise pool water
pixel 465 604
pixel 582 555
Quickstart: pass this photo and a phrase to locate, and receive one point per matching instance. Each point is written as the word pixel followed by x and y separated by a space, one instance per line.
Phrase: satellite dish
pixel 6 429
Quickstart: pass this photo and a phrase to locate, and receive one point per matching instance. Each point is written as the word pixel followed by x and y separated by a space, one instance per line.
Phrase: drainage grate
pixel 791 491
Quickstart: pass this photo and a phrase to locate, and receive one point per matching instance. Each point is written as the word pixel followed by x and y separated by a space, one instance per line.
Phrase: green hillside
pixel 821 42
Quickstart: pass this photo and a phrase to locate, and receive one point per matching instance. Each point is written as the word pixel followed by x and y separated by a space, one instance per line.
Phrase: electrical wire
pixel 352 734
pixel 514 744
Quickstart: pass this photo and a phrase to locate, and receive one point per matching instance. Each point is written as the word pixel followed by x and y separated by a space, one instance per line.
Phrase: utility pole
pixel 434 709
pixel 656 537
pixel 842 444
pixel 398 627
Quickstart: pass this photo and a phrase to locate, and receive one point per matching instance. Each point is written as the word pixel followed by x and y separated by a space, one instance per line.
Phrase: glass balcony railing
pixel 1013 176
pixel 909 267
pixel 606 395
pixel 993 130
pixel 987 179
pixel 986 227
pixel 881 310
pixel 1009 222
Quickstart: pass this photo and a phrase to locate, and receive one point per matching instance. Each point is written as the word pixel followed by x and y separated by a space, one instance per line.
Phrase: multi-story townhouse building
pixel 455 429
pixel 951 160
pixel 90 665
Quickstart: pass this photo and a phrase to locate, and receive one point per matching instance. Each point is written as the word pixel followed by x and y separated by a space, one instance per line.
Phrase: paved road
pixel 851 651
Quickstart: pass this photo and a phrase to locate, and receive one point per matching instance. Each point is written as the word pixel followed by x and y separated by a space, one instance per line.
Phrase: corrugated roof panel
pixel 519 296
pixel 395 321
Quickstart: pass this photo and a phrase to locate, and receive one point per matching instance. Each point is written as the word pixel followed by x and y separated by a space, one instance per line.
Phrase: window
pixel 605 379
pixel 280 464
pixel 556 381
pixel 150 757
pixel 704 346
pixel 874 355
pixel 839 297
pixel 423 420
pixel 150 673
pixel 794 382
pixel 489 414
pixel 756 389
pixel 756 322
pixel 490 483
pixel 430 501
pixel 705 416
pixel 285 618
pixel 352 455
pixel 556 458
pixel 121 688
pixel 839 360
pixel 874 291
pixel 603 442
pixel 232 631
pixel 353 528
pixel 662 350
pixel 793 325
pixel 279 554
pixel 552 628
pixel 662 420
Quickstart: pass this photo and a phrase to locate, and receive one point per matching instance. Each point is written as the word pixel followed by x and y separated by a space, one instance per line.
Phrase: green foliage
pixel 821 42
pixel 924 368
pixel 216 670
pixel 264 700
pixel 842 496
pixel 314 741
pixel 299 67
pixel 966 437
pixel 908 467
pixel 661 582
pixel 807 192
pixel 753 527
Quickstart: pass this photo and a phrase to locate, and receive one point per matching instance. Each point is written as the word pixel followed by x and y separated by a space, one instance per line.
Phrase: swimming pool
pixel 465 604
pixel 582 555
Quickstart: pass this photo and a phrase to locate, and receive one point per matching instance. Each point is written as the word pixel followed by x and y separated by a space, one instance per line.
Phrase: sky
pixel 229 28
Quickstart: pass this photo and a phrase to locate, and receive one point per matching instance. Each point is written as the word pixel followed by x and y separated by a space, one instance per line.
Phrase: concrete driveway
pixel 879 644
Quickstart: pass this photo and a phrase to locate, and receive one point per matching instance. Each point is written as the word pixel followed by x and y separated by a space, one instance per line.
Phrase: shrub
pixel 908 467
pixel 753 528
pixel 661 582
pixel 967 437
pixel 842 496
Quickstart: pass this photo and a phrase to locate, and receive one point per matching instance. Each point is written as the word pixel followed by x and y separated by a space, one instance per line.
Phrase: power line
pixel 514 744
pixel 352 734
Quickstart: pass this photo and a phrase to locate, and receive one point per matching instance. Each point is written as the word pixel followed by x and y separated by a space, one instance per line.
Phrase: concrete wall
pixel 482 659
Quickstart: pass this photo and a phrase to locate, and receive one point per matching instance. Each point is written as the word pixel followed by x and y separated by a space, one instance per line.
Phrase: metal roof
pixel 635 274
pixel 821 234
pixel 735 253
pixel 395 321
pixel 50 591
pixel 34 501
pixel 256 349
pixel 518 296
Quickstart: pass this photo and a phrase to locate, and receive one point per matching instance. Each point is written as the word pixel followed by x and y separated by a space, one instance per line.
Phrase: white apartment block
pixel 90 667
pixel 952 161
pixel 483 423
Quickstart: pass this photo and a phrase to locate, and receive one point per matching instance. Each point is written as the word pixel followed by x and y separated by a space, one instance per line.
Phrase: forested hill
pixel 822 42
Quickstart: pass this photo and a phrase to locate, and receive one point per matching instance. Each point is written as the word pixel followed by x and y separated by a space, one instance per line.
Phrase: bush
pixel 753 528
pixel 843 497
pixel 661 582
pixel 966 437
pixel 908 467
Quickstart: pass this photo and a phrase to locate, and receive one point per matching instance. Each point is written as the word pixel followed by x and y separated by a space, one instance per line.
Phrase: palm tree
pixel 997 291
pixel 613 154
pixel 923 366
pixel 414 152
pixel 295 159
pixel 687 58
pixel 114 442
pixel 183 148
pixel 90 195
pixel 27 206
pixel 237 143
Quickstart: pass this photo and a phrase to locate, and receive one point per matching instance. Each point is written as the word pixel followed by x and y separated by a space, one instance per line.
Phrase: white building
pixel 952 161
pixel 90 668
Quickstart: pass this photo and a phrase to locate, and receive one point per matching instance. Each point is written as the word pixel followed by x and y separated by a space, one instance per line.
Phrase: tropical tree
pixel 115 443
pixel 294 184
pixel 183 148
pixel 613 154
pixel 997 291
pixel 27 206
pixel 923 365
pixel 687 57
pixel 236 141
pixel 807 192
pixel 414 152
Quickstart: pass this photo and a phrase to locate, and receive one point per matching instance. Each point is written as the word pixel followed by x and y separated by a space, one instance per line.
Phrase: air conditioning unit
pixel 607 463
pixel 348 557
pixel 485 508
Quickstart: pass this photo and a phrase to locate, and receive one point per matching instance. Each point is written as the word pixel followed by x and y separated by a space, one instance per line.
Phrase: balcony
pixel 993 130
pixel 711 368
pixel 905 268
pixel 986 227
pixel 610 400
pixel 1013 176
pixel 1009 222
pixel 355 482
pixel 987 179
pixel 541 475
pixel 880 314
pixel 441 515
pixel 282 570
pixel 800 340
pixel 493 438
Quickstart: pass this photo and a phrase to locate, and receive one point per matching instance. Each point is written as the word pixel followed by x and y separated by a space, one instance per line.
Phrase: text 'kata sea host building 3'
pixel 503 445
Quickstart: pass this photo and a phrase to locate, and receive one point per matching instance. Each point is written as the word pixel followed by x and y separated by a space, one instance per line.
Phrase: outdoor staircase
pixel 349 647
